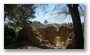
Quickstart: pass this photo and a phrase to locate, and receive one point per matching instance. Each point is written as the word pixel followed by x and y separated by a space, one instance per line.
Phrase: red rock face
pixel 50 33
pixel 42 32
pixel 64 33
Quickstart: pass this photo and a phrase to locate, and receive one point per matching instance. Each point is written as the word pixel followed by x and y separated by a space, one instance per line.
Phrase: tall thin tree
pixel 79 39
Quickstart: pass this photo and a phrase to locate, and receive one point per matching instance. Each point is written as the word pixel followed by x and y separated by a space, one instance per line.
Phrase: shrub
pixel 9 35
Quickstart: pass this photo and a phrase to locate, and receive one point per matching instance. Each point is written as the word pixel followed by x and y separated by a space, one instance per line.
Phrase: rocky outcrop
pixel 45 37
pixel 50 33
pixel 31 35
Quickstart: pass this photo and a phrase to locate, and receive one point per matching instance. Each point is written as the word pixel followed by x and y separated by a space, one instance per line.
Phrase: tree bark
pixel 79 39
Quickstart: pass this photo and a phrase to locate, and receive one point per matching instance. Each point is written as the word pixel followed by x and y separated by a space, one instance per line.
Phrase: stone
pixel 43 36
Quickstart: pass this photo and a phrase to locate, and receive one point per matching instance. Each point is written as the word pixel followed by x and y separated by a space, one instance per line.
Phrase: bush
pixel 9 35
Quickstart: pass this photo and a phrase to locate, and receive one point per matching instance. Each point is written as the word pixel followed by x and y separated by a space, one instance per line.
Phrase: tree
pixel 79 43
pixel 70 25
pixel 19 14
pixel 64 24
pixel 45 21
pixel 36 24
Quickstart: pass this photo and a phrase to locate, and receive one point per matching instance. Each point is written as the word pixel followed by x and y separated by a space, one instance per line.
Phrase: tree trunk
pixel 79 39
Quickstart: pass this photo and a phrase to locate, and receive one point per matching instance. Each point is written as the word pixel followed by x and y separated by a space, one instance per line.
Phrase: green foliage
pixel 64 24
pixel 37 24
pixel 19 14
pixel 70 24
pixel 9 35
pixel 58 39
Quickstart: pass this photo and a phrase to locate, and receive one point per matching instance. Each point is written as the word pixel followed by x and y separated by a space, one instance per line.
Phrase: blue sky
pixel 40 16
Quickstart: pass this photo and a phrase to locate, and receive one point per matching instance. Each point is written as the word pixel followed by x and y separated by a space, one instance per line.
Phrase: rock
pixel 70 42
pixel 44 36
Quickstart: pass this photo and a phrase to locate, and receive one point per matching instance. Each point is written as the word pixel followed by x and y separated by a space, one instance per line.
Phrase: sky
pixel 41 17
